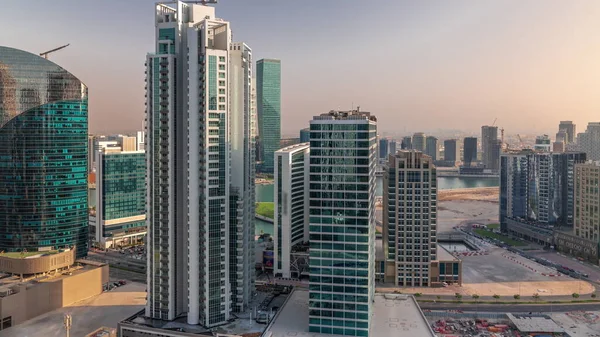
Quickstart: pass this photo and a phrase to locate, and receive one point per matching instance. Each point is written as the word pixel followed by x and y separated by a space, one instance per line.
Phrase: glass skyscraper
pixel 469 151
pixel 43 155
pixel 268 97
pixel 343 156
pixel 120 215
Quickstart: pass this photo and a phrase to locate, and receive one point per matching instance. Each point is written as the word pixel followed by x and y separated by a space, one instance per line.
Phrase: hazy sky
pixel 417 65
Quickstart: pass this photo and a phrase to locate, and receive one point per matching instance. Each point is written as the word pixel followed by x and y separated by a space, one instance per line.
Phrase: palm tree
pixel 475 296
pixel 517 296
pixel 497 297
pixel 536 296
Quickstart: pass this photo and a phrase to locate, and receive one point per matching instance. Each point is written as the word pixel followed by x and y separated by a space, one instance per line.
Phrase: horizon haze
pixel 418 66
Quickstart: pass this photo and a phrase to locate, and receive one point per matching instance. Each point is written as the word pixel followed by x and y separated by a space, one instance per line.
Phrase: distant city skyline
pixel 435 64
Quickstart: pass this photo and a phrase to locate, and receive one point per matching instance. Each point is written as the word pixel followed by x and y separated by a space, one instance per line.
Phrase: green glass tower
pixel 268 96
pixel 120 197
pixel 43 155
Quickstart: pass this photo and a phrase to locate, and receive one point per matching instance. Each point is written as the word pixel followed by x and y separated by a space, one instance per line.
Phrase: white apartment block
pixel 291 205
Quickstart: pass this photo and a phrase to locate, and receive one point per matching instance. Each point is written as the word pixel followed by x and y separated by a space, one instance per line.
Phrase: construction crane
pixel 495 119
pixel 502 138
pixel 45 54
pixel 520 140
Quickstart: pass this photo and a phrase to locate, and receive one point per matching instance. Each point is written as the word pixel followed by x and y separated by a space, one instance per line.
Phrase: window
pixel 221 58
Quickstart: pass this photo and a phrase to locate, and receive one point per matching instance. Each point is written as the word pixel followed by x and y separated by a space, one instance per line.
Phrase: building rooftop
pixel 527 323
pixel 9 283
pixel 293 147
pixel 346 115
pixel 444 255
pixel 393 315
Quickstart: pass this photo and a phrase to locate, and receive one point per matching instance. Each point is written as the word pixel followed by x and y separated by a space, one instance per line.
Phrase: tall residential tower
pixel 199 167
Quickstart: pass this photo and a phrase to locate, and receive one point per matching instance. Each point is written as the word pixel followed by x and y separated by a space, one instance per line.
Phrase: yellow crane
pixel 45 54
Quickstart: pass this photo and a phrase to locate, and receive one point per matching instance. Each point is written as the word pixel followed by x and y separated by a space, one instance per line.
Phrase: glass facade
pixel 268 94
pixel 123 192
pixel 43 155
pixel 469 151
pixel 342 190
pixel 538 187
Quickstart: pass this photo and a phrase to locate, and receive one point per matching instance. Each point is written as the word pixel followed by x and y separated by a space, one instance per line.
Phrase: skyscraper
pixel 384 148
pixel 305 135
pixel 268 95
pixel 587 201
pixel 410 213
pixel 120 216
pixel 451 150
pixel 140 140
pixel 432 147
pixel 342 215
pixel 418 141
pixel 469 151
pixel 542 143
pixel 393 146
pixel 406 143
pixel 569 128
pixel 242 112
pixel 589 141
pixel 538 186
pixel 291 204
pixel 198 126
pixel 43 155
pixel 490 147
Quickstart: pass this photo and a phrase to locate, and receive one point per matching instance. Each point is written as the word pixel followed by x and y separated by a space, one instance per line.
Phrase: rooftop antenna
pixel 45 54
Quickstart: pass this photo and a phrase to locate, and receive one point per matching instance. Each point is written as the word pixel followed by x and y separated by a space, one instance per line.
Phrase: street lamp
pixel 68 322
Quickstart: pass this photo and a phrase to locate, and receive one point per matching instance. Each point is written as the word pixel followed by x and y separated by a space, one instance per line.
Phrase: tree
pixel 475 296
pixel 496 296
pixel 593 295
pixel 517 296
pixel 536 296
pixel 575 295
pixel 418 294
pixel 438 297
pixel 458 296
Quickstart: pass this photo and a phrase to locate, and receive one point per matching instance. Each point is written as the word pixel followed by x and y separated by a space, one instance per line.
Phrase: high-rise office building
pixel 305 135
pixel 569 129
pixel 418 141
pixel 242 110
pixel 432 147
pixel 393 146
pixel 469 151
pixel 268 95
pixel 542 143
pixel 43 155
pixel 406 143
pixel 589 141
pixel 127 143
pixel 587 201
pixel 490 147
pixel 291 204
pixel 384 148
pixel 120 214
pixel 451 150
pixel 140 140
pixel 410 216
pixel 342 215
pixel 538 186
pixel 198 101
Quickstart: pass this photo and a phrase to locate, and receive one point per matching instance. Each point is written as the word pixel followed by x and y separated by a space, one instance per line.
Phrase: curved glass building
pixel 43 155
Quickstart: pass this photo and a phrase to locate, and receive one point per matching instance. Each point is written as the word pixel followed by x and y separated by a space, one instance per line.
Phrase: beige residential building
pixel 587 201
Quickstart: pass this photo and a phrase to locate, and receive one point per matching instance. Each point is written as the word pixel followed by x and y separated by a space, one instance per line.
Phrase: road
pixel 511 308
pixel 592 271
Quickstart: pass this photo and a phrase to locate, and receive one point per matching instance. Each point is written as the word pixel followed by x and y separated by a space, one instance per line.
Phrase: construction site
pixel 572 324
